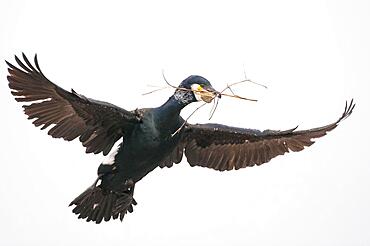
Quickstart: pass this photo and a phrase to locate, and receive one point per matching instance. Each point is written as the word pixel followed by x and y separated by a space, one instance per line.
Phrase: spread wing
pixel 225 148
pixel 97 124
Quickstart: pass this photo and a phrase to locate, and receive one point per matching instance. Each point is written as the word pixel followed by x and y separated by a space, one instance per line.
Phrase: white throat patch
pixel 196 88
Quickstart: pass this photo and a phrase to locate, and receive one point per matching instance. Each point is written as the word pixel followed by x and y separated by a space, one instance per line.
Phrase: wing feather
pixel 225 148
pixel 70 115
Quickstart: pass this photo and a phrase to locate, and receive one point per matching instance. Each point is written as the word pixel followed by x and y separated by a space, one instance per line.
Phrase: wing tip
pixel 347 110
pixel 8 63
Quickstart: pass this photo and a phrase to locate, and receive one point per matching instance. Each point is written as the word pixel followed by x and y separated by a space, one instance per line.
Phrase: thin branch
pixel 215 99
pixel 214 108
pixel 168 83
pixel 239 97
pixel 251 81
pixel 159 89
pixel 183 124
pixel 243 81
pixel 221 93
pixel 230 90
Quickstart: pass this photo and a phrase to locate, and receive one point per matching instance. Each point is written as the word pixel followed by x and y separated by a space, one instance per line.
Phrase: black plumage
pixel 145 137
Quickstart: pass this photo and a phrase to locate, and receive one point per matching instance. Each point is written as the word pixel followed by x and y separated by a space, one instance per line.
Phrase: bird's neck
pixel 170 110
pixel 173 106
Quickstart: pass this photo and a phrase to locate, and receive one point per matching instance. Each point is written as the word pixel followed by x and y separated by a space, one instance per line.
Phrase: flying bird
pixel 141 140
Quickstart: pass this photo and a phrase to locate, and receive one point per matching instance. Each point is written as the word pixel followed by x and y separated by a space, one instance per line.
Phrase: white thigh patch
pixel 109 160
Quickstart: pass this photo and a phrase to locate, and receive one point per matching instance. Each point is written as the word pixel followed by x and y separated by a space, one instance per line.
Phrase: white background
pixel 313 55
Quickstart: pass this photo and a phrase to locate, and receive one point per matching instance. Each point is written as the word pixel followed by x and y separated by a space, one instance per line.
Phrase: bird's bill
pixel 205 94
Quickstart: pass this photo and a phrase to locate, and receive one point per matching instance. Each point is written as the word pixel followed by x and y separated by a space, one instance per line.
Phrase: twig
pixel 168 83
pixel 239 97
pixel 214 108
pixel 183 124
pixel 150 92
pixel 230 89
pixel 215 99
pixel 243 81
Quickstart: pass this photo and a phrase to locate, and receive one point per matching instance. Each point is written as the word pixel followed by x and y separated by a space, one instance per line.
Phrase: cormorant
pixel 144 137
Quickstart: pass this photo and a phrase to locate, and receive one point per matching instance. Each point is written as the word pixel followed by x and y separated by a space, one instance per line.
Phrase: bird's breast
pixel 149 143
pixel 150 140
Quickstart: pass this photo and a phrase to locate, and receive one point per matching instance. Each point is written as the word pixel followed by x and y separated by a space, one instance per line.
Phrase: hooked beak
pixel 216 93
pixel 209 94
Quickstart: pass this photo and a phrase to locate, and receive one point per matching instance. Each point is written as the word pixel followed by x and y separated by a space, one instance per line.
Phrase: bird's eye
pixel 196 87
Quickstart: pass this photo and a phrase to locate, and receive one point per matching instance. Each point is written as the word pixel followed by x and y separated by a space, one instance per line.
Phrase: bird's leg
pixel 130 187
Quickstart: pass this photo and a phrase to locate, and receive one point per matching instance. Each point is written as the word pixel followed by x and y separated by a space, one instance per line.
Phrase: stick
pixel 183 124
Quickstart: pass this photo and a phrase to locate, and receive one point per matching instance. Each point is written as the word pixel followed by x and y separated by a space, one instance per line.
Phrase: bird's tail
pixel 96 204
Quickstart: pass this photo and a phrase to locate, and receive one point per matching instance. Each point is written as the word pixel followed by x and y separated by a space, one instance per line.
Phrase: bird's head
pixel 195 88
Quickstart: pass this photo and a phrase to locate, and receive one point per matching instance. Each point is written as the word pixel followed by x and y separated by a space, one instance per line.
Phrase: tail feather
pixel 108 211
pixel 96 204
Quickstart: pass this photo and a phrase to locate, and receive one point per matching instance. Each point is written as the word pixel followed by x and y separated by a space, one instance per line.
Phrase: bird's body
pixel 145 138
pixel 149 142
